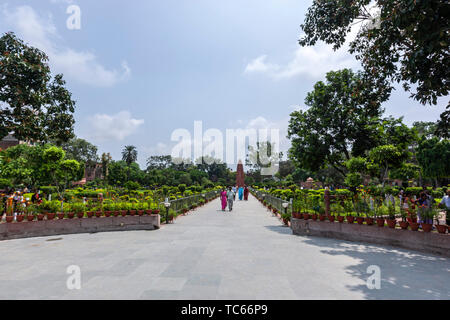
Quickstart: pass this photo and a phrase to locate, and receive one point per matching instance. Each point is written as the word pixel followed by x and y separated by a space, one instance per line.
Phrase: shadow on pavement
pixel 404 274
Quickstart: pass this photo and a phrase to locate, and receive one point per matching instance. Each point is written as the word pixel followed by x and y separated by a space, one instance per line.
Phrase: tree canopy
pixel 33 106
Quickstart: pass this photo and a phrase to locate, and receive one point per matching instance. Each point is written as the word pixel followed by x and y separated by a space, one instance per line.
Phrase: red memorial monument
pixel 240 177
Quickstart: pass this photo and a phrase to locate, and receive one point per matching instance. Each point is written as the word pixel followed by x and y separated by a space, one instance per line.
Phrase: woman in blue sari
pixel 241 193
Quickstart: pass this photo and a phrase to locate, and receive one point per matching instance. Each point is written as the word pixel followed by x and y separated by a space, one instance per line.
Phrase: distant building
pixel 90 174
pixel 9 141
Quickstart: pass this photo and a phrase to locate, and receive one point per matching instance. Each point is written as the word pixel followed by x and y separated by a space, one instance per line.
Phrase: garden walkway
pixel 246 254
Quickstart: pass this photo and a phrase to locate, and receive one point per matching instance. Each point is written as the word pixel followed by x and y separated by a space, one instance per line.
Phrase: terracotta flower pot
pixel 20 217
pixel 314 217
pixel 412 220
pixel 369 221
pixel 427 227
pixel 414 226
pixel 123 213
pixel 441 228
pixel 132 212
pixel 350 219
pixel 380 222
pixel 80 215
pixel 98 214
pixel 70 215
pixel 40 217
pixel 300 215
pixel 90 214
pixel 9 219
pixel 322 217
pixel 30 217
pixel 306 216
pixel 108 214
pixel 155 211
pixel 141 212
pixel 116 213
pixel 391 223
pixel 51 216
pixel 149 212
pixel 404 225
pixel 331 218
pixel 340 219
pixel 360 220
pixel 60 215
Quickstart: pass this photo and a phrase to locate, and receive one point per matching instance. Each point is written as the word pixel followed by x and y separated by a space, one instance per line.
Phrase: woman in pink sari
pixel 223 197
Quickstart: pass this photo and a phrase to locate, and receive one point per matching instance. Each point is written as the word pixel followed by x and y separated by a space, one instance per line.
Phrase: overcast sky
pixel 140 69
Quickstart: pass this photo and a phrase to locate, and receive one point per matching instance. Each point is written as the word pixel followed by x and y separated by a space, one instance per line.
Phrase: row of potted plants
pixel 369 218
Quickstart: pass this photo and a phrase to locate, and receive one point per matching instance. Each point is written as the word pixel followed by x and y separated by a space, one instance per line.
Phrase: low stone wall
pixel 55 227
pixel 429 242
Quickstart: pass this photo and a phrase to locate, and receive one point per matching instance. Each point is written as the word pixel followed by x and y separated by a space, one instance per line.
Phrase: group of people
pixel 229 196
pixel 425 201
pixel 16 200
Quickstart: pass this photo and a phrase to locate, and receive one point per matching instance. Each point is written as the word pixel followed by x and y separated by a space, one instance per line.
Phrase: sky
pixel 138 70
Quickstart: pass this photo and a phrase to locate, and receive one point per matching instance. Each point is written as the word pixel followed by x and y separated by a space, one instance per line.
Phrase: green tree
pixel 159 162
pixel 342 120
pixel 433 156
pixel 33 106
pixel 129 154
pixel 386 157
pixel 81 151
pixel 403 41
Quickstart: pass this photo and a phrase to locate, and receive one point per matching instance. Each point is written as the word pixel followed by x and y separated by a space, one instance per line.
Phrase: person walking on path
pixel 241 193
pixel 230 197
pixel 223 197
pixel 246 191
pixel 234 191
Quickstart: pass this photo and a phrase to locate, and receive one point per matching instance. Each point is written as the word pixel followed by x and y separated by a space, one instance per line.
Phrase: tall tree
pixel 81 151
pixel 398 40
pixel 342 120
pixel 129 154
pixel 33 106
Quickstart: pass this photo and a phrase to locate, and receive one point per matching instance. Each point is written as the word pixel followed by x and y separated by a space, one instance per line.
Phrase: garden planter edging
pixel 47 228
pixel 420 241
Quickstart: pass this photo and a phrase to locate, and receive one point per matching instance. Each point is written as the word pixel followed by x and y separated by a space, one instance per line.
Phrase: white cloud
pixel 259 65
pixel 83 66
pixel 314 62
pixel 104 127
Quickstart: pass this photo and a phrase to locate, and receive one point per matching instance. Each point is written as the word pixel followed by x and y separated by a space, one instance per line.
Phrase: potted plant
pixel 108 208
pixel 30 212
pixel 404 224
pixel 391 220
pixel 428 215
pixel 98 211
pixel 413 217
pixel 442 228
pixel 286 218
pixel 141 208
pixel 133 208
pixel 20 213
pixel 79 209
pixel 125 206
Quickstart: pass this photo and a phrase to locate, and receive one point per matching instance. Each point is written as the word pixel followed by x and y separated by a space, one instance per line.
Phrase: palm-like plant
pixel 129 154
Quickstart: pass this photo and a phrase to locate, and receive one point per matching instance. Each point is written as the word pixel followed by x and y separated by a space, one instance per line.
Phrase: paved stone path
pixel 245 254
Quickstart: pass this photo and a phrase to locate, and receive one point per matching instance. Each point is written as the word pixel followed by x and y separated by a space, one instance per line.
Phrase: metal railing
pixel 179 204
pixel 273 201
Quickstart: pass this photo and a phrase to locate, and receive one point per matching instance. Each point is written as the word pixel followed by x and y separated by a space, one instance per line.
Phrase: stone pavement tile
pixel 256 287
pixel 204 279
pixel 198 292
pixel 125 266
pixel 168 284
pixel 160 295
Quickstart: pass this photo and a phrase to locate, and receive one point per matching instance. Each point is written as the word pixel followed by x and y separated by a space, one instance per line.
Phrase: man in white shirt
pixel 445 204
pixel 230 198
